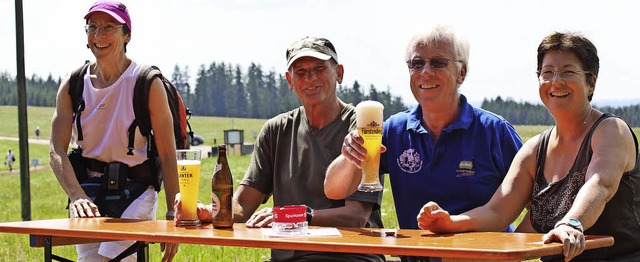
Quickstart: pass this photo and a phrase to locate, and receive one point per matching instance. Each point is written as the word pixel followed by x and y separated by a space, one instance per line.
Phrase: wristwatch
pixel 572 222
pixel 309 214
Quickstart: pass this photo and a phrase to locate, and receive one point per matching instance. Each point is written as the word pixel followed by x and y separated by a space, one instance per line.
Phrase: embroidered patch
pixel 465 168
pixel 465 165
pixel 409 161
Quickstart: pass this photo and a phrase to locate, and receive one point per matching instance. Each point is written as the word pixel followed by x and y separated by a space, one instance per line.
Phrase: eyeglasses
pixel 107 29
pixel 435 63
pixel 549 75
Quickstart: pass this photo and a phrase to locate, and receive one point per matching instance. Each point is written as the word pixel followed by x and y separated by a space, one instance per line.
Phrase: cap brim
pixel 311 53
pixel 112 14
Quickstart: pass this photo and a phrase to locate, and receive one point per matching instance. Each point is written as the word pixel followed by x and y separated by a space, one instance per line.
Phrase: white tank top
pixel 106 119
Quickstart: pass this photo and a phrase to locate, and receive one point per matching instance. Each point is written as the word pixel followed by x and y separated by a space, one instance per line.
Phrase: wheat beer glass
pixel 369 124
pixel 189 179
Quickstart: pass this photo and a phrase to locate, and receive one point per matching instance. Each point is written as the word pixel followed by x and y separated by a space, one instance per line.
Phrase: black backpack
pixel 179 112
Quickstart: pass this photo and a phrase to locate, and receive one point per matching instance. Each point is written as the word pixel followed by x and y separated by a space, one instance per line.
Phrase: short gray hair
pixel 438 34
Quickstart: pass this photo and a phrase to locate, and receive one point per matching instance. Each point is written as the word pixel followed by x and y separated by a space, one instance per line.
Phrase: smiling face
pixel 563 82
pixel 314 80
pixel 436 83
pixel 106 44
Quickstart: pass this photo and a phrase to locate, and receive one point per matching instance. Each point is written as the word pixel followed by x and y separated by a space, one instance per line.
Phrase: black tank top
pixel 621 215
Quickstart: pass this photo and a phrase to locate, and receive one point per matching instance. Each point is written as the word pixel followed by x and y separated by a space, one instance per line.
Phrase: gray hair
pixel 440 34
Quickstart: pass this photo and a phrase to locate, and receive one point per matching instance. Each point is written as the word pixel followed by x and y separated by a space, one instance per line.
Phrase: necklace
pixel 587 117
pixel 108 82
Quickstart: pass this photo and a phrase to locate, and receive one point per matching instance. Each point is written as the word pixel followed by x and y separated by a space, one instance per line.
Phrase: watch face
pixel 574 222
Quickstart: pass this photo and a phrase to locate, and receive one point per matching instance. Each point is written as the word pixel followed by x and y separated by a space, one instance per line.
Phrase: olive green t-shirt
pixel 290 160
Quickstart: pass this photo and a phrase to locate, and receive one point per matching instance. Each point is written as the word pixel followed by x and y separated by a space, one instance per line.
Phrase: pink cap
pixel 115 9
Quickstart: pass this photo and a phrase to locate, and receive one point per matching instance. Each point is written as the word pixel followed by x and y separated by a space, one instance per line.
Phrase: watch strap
pixel 309 214
pixel 571 222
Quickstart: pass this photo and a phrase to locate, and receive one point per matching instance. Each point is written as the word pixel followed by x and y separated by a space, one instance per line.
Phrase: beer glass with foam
pixel 189 179
pixel 369 125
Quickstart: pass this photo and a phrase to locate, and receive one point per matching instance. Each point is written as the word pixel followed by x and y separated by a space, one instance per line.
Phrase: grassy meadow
pixel 49 201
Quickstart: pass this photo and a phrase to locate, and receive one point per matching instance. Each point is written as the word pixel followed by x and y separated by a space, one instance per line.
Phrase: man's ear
pixel 340 73
pixel 288 76
pixel 462 74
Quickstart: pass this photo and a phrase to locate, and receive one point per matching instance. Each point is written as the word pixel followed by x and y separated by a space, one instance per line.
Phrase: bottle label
pixel 215 205
pixel 221 205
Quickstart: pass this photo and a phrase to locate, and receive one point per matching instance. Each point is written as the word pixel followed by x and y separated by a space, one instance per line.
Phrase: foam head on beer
pixel 369 113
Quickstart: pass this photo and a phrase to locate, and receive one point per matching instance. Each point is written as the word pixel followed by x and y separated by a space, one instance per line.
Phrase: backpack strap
pixel 76 87
pixel 141 108
pixel 179 113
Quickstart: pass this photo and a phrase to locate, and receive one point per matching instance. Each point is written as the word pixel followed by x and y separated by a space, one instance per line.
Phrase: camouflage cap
pixel 320 48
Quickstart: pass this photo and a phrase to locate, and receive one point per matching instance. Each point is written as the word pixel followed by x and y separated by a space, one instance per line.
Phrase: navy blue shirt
pixel 460 170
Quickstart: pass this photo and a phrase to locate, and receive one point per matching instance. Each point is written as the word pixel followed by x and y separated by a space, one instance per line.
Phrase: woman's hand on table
pixel 573 240
pixel 435 219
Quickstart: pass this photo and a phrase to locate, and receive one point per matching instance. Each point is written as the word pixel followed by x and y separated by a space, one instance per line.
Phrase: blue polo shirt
pixel 460 170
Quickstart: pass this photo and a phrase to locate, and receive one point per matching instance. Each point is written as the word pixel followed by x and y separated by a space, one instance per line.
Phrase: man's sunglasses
pixel 435 63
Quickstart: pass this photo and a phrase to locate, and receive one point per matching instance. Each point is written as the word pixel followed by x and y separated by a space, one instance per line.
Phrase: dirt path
pixel 31 140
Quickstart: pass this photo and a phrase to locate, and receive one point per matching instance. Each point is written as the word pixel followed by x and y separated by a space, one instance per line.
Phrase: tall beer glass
pixel 369 122
pixel 189 178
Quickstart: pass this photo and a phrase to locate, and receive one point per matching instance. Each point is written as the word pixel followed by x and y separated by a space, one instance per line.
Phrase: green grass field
pixel 48 200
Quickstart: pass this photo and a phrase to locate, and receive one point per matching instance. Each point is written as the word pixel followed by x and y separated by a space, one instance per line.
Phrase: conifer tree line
pixel 225 90
pixel 221 89
pixel 536 114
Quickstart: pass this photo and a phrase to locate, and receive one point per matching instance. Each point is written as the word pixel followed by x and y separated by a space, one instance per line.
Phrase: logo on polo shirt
pixel 410 161
pixel 465 168
pixel 465 165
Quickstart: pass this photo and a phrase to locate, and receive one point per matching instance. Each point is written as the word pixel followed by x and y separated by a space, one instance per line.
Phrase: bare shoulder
pixel 525 160
pixel 530 147
pixel 157 94
pixel 613 129
pixel 157 86
pixel 613 140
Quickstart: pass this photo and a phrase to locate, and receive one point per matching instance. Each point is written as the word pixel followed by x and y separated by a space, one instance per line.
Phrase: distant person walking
pixel 38 132
pixel 9 159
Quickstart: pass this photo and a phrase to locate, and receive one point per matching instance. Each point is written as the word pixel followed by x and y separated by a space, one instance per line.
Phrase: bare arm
pixel 352 214
pixel 344 173
pixel 80 204
pixel 246 200
pixel 613 154
pixel 162 125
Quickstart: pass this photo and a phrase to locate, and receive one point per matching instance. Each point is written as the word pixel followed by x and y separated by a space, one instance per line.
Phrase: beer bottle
pixel 222 191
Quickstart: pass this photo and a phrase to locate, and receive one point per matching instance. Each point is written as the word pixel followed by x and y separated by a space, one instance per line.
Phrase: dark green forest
pixel 524 113
pixel 225 90
pixel 221 89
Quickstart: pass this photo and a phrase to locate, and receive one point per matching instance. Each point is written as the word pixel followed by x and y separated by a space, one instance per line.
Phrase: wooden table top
pixel 476 245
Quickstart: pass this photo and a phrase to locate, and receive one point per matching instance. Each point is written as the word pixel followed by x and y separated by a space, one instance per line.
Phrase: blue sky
pixel 370 37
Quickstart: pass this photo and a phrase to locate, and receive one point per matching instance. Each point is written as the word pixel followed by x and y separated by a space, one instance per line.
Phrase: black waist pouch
pixel 115 190
pixel 112 203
